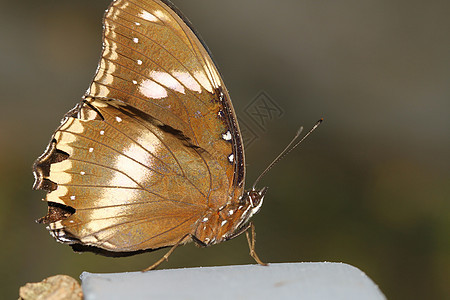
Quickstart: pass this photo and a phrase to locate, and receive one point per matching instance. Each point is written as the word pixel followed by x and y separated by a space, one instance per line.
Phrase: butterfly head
pixel 254 199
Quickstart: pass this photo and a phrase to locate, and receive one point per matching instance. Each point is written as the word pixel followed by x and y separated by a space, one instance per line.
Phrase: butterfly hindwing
pixel 125 175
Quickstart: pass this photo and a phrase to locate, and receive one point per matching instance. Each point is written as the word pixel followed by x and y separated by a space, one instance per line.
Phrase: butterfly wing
pixel 153 60
pixel 126 175
pixel 154 144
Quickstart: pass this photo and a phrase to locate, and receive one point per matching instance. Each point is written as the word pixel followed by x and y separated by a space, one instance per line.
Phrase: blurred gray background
pixel 370 187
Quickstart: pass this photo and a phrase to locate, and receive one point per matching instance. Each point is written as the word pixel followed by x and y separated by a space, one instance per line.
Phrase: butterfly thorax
pixel 229 220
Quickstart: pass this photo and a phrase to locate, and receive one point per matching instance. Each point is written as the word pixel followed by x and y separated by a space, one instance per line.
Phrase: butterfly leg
pixel 166 256
pixel 251 245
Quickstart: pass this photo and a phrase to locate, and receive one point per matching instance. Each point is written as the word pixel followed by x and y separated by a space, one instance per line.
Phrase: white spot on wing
pixel 91 150
pixel 161 15
pixel 224 222
pixel 102 132
pixel 152 90
pixel 139 62
pixel 134 82
pixel 167 80
pixel 83 173
pixel 227 136
pixel 204 81
pixel 148 16
pixel 231 158
pixel 135 40
pixel 129 166
pixel 119 119
pixel 72 198
pixel 188 81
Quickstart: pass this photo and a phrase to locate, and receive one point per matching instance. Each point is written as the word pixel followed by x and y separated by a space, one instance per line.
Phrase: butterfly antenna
pixel 287 150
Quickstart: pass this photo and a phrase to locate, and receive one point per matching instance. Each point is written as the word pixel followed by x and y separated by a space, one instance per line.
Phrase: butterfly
pixel 152 156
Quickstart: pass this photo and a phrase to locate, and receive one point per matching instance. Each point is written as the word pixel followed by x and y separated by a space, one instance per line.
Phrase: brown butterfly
pixel 152 157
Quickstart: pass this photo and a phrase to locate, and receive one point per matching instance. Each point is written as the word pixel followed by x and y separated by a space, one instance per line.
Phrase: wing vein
pixel 176 159
pixel 111 148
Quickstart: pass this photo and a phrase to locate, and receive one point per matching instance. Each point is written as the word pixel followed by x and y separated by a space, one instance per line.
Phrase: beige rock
pixel 52 288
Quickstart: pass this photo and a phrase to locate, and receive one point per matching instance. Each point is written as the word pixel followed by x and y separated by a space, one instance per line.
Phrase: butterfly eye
pixel 256 198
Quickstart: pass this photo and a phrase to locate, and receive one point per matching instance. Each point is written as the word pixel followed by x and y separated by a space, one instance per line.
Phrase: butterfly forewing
pixel 153 60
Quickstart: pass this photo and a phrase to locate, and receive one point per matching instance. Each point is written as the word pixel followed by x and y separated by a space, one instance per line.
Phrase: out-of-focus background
pixel 371 187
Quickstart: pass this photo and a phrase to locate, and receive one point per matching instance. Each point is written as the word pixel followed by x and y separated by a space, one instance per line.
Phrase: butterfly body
pixel 230 220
